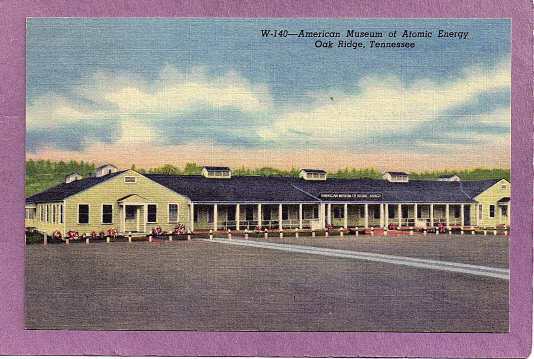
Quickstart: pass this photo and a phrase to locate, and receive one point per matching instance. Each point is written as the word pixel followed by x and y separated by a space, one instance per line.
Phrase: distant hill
pixel 43 174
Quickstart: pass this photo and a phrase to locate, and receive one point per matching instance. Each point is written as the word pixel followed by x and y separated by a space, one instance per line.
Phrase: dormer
pixel 73 177
pixel 395 176
pixel 105 170
pixel 216 172
pixel 312 175
pixel 449 178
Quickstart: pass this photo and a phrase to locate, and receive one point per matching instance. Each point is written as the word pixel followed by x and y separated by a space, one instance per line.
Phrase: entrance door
pixel 467 215
pixel 131 223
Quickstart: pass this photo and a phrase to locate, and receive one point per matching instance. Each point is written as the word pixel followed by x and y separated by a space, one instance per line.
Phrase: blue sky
pixel 215 92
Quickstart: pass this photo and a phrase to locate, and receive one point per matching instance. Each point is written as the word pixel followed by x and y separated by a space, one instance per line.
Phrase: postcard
pixel 270 180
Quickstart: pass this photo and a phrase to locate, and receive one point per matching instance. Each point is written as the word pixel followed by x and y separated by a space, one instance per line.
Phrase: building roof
pixel 235 189
pixel 214 168
pixel 312 171
pixel 397 173
pixel 278 189
pixel 64 190
pixel 426 191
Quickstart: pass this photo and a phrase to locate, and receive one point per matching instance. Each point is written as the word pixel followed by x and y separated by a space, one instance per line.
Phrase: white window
pixel 107 213
pixel 492 211
pixel 152 215
pixel 83 213
pixel 129 179
pixel 173 212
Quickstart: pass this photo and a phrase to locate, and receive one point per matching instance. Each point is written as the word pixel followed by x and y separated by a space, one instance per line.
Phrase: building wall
pixel 47 218
pixel 109 192
pixel 490 197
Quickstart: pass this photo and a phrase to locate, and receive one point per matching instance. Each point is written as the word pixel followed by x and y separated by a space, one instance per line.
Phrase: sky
pixel 217 92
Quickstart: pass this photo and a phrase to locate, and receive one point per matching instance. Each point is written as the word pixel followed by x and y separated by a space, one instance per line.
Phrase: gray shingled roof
pixel 64 190
pixel 235 189
pixel 414 191
pixel 286 189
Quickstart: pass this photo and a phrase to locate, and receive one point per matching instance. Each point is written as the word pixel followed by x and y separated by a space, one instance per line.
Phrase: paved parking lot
pixel 199 285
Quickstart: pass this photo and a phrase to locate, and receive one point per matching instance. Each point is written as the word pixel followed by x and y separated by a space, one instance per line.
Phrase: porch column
pixel 280 226
pixel 386 215
pixel 215 215
pixel 431 214
pixel 300 216
pixel 191 217
pixel 321 214
pixel 345 216
pixel 366 215
pixel 382 221
pixel 416 217
pixel 462 215
pixel 329 214
pixel 259 215
pixel 508 212
pixel 399 207
pixel 500 213
pixel 237 208
pixel 122 226
pixel 145 217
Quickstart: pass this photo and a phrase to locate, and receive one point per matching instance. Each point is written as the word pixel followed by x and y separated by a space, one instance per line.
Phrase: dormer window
pixel 449 178
pixel 105 170
pixel 312 175
pixel 73 177
pixel 396 176
pixel 216 172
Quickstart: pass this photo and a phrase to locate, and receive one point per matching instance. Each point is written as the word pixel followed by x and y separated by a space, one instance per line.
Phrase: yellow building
pixel 131 202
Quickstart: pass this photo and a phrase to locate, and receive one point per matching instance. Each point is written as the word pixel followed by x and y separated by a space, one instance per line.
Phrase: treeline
pixel 43 174
pixel 470 174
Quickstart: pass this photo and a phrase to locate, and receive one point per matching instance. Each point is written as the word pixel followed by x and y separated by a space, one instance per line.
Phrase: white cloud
pixel 53 111
pixel 175 91
pixel 385 105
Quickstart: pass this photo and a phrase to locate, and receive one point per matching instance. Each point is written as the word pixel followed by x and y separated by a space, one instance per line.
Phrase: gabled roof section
pixel 64 190
pixel 132 198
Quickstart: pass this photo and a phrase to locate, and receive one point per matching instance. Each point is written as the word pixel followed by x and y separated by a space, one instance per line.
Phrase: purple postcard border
pixel 14 340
